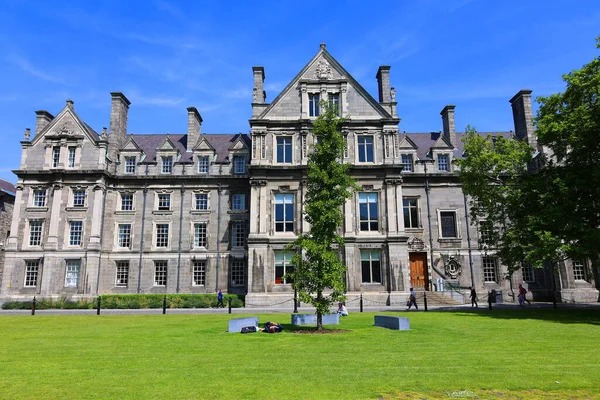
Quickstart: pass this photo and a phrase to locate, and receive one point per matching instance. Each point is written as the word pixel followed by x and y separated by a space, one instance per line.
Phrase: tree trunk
pixel 319 312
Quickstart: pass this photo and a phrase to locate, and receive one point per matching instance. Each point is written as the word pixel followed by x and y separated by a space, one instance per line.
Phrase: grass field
pixel 509 354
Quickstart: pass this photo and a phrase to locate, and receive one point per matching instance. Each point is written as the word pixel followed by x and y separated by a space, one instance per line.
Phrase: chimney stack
pixel 118 124
pixel 383 82
pixel 258 93
pixel 194 127
pixel 448 123
pixel 43 119
pixel 523 117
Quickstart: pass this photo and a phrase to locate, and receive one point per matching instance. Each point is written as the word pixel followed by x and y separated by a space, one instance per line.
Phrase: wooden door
pixel 418 270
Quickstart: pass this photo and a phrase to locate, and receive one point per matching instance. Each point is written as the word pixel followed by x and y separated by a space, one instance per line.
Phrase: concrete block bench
pixel 396 323
pixel 236 325
pixel 311 319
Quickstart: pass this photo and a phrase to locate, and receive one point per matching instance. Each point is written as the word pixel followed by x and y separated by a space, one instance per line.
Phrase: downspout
pixel 180 229
pixel 429 223
pixel 469 242
pixel 218 235
pixel 101 235
pixel 139 286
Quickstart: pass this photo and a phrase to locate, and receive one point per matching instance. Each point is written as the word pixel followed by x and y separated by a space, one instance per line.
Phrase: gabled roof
pixel 7 188
pixel 131 144
pixel 67 111
pixel 323 53
pixel 425 141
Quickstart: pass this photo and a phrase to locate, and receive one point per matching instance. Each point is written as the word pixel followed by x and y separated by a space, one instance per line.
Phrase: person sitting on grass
pixel 342 310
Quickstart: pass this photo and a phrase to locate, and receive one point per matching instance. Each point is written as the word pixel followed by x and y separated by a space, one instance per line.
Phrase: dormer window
pixel 239 165
pixel 130 165
pixel 313 105
pixel 167 165
pixel 365 149
pixel 443 162
pixel 203 165
pixel 55 156
pixel 284 149
pixel 407 162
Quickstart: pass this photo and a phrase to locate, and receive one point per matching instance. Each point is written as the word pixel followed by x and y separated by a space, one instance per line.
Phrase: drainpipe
pixel 469 241
pixel 101 235
pixel 218 235
pixel 139 286
pixel 180 229
pixel 429 222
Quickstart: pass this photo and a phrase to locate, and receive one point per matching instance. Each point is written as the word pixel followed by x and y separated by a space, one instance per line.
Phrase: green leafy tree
pixel 318 270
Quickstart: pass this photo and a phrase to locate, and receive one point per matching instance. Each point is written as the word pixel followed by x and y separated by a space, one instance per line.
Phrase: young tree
pixel 317 265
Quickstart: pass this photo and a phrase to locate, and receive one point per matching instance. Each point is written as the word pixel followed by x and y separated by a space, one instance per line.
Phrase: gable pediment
pixel 407 144
pixel 203 145
pixel 131 146
pixel 67 125
pixel 442 143
pixel 167 146
pixel 238 145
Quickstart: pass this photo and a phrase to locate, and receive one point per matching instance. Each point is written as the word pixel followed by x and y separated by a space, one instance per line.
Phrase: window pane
pixel 448 222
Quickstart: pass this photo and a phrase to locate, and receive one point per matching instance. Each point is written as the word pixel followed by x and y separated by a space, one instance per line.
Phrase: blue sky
pixel 166 56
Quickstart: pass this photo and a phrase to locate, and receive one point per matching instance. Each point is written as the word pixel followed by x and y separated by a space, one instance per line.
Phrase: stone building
pixel 190 213
pixel 7 202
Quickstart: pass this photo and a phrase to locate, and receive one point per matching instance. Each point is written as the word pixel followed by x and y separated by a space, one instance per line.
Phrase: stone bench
pixel 236 325
pixel 396 323
pixel 311 319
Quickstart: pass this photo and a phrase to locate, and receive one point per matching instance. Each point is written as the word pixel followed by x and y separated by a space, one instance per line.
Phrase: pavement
pixel 278 310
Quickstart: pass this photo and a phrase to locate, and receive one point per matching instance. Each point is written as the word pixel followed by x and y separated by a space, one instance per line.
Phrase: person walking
pixel 473 297
pixel 522 296
pixel 220 299
pixel 412 299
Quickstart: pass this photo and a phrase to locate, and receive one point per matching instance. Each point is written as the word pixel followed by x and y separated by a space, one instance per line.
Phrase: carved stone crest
pixel 416 244
pixel 452 267
pixel 323 70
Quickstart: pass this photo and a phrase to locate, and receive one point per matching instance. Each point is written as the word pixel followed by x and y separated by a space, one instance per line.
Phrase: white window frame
pixel 447 164
pixel 201 201
pixel 163 202
pixel 365 146
pixel 579 270
pixel 411 162
pixel 166 240
pixel 122 273
pixel 72 150
pixel 411 210
pixel 489 267
pixel 166 165
pixel 75 234
pixel 313 104
pixel 161 273
pixel 203 164
pixel 72 269
pixel 200 231
pixel 369 221
pixel 55 156
pixel 283 199
pixel 124 196
pixel 285 263
pixel 456 223
pixel 124 235
pixel 39 198
pixel 333 102
pixel 38 232
pixel 199 273
pixel 287 141
pixel 32 273
pixel 130 164
pixel 79 198
pixel 239 165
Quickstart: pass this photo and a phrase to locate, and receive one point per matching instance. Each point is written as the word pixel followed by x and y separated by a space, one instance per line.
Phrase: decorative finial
pixel 393 93
pixel 323 46
pixel 27 134
pixel 103 134
pixel 70 103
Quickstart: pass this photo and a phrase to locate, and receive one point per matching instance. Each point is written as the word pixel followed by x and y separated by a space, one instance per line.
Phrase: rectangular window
pixel 334 102
pixel 124 239
pixel 283 265
pixel 407 163
pixel 313 105
pixel 35 233
pixel 411 213
pixel 203 165
pixel 126 201
pixel 162 235
pixel 55 156
pixel 130 165
pixel 71 157
pixel 199 273
pixel 201 201
pixel 484 233
pixel 78 198
pixel 167 165
pixel 160 273
pixel 442 161
pixel 239 165
pixel 200 234
pixel 72 273
pixel 528 272
pixel 579 270
pixel 237 273
pixel 368 210
pixel 284 212
pixel 75 233
pixel 122 277
pixel 365 149
pixel 31 273
pixel 164 201
pixel 238 234
pixel 39 198
pixel 448 224
pixel 489 269
pixel 284 149
pixel 370 261
pixel 238 202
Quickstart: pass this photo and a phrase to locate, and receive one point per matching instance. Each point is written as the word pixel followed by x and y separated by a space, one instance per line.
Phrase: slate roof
pixel 220 142
pixel 424 142
pixel 7 187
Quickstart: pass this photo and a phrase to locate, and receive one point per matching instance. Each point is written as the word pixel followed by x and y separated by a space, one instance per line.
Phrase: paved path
pixel 399 308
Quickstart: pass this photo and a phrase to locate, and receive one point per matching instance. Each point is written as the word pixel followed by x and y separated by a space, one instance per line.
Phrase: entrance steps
pixel 441 298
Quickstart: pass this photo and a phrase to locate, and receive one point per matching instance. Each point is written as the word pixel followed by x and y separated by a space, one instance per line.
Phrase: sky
pixel 168 55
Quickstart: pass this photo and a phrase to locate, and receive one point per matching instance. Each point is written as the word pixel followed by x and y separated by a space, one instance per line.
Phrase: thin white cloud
pixel 26 66
pixel 156 100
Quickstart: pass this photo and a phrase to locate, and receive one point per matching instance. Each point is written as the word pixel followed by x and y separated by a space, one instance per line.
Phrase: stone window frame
pixel 155 235
pixel 166 168
pixel 122 269
pixel 313 104
pixel 128 168
pixel 239 164
pixel 55 156
pixel 370 260
pixel 197 202
pixel 199 268
pixel 201 163
pixel 457 223
pixel 118 235
pixel 286 266
pixel 235 202
pixel 369 221
pixel 160 197
pixel 72 275
pixel 34 192
pixel 122 200
pixel 580 273
pixel 412 162
pixel 284 136
pixel 39 233
pixel 73 233
pixel 238 272
pixel 364 135
pixel 417 211
pixel 527 272
pixel 206 235
pixel 489 268
pixel 284 222
pixel 71 156
pixel 238 234
pixel 32 273
pixel 438 156
pixel 76 198
pixel 161 273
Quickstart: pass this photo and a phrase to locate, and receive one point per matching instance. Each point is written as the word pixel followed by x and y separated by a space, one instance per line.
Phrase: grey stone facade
pixel 7 203
pixel 190 213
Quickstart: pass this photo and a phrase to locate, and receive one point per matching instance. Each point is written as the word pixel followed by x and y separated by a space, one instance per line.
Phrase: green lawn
pixel 519 353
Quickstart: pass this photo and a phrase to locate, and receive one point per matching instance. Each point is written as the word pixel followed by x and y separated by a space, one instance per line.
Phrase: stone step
pixel 437 299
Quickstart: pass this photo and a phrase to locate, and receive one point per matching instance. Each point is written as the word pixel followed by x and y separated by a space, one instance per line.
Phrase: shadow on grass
pixel 563 316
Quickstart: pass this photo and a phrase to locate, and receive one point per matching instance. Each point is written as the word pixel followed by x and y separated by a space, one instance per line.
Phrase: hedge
pixel 131 301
